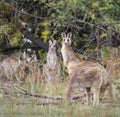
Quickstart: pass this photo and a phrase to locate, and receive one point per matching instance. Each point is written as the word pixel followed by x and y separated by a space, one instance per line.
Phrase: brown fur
pixel 85 74
pixel 34 74
pixel 51 69
pixel 13 68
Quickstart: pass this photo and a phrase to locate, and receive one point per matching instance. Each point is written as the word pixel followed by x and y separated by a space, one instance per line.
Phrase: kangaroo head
pixel 52 45
pixel 66 39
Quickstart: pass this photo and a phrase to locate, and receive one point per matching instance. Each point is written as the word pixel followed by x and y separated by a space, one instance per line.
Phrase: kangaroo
pixel 85 74
pixel 13 68
pixel 51 69
pixel 34 73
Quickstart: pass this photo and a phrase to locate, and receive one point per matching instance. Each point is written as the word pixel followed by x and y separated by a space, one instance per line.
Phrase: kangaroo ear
pixel 50 42
pixel 69 35
pixel 63 35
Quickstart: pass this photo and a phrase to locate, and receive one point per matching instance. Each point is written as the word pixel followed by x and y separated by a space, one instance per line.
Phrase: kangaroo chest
pixel 65 55
pixel 52 60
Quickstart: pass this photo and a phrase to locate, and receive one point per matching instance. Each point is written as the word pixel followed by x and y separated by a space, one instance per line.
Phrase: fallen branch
pixel 50 100
pixel 25 92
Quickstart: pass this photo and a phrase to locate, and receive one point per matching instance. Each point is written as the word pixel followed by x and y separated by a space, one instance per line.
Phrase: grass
pixel 32 109
pixel 25 106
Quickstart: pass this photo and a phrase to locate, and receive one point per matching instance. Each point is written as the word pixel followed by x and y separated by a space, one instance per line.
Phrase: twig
pixel 44 103
pixel 49 103
pixel 90 24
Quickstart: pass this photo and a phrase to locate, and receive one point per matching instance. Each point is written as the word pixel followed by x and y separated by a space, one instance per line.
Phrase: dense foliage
pixel 93 23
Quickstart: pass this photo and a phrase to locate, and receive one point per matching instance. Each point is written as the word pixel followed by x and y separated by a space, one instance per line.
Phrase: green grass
pixel 26 106
pixel 20 107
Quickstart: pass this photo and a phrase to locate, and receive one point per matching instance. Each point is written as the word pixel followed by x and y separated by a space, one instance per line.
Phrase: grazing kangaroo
pixel 51 69
pixel 85 74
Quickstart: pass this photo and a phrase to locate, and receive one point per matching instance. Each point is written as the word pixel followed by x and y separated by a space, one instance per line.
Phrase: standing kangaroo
pixel 34 74
pixel 51 69
pixel 85 74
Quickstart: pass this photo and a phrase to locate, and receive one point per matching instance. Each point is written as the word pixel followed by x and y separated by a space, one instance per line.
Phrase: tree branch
pixel 37 44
